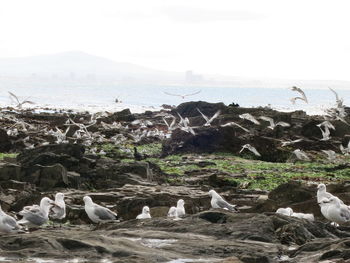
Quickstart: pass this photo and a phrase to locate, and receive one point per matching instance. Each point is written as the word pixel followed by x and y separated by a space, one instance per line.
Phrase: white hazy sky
pixel 297 39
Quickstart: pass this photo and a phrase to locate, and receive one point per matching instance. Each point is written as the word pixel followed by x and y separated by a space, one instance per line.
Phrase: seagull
pixel 301 155
pixel 19 103
pixel 97 213
pixel 290 142
pixel 184 125
pixel 182 96
pixel 273 125
pixel 303 96
pixel 234 124
pixel 338 100
pixel 325 133
pixel 250 148
pixel 218 202
pixel 345 150
pixel 172 212
pixel 180 209
pixel 331 155
pixel 172 125
pixel 59 207
pixel 285 211
pixel 7 223
pixel 337 212
pixel 209 121
pixel 326 124
pixel 145 213
pixel 249 117
pixel 34 216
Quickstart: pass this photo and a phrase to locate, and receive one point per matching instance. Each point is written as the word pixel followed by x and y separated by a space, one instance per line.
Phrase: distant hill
pixel 78 64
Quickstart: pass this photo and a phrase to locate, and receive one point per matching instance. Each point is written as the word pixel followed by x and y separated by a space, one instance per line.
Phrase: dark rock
pixel 9 172
pixel 124 115
pixel 5 142
pixel 189 109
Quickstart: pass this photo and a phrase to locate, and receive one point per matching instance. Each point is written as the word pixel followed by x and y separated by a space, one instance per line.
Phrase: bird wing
pixel 270 120
pixel 345 212
pixel 283 124
pixel 253 150
pixel 192 93
pixel 104 213
pixel 335 93
pixel 166 122
pixel 9 220
pixel 171 94
pixel 14 96
pixel 223 204
pixel 204 116
pixel 215 116
pixel 36 218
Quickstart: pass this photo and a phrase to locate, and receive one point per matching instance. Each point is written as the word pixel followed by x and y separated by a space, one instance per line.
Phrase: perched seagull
pixel 301 155
pixel 273 125
pixel 218 202
pixel 322 193
pixel 345 150
pixel 97 213
pixel 19 103
pixel 325 133
pixel 7 223
pixel 337 212
pixel 249 117
pixel 324 204
pixel 180 209
pixel 145 213
pixel 331 155
pixel 182 96
pixel 172 212
pixel 34 216
pixel 209 121
pixel 250 148
pixel 290 142
pixel 234 124
pixel 285 211
pixel 59 207
pixel 303 96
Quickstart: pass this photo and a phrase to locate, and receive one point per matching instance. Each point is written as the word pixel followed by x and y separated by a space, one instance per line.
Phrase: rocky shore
pixel 80 154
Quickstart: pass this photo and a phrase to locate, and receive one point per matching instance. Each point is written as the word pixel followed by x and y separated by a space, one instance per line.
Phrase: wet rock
pixel 9 171
pixel 5 142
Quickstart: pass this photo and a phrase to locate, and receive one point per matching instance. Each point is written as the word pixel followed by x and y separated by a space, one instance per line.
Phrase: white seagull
pixel 232 123
pixel 182 96
pixel 325 134
pixel 322 193
pixel 302 93
pixel 285 211
pixel 209 121
pixel 290 142
pixel 145 213
pixel 337 212
pixel 7 223
pixel 331 155
pixel 35 216
pixel 345 150
pixel 180 208
pixel 301 155
pixel 273 125
pixel 250 148
pixel 172 212
pixel 59 207
pixel 218 202
pixel 97 213
pixel 249 117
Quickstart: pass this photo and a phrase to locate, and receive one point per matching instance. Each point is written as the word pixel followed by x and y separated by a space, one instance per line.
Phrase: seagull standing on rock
pixel 59 207
pixel 218 202
pixel 7 223
pixel 145 213
pixel 322 193
pixel 336 212
pixel 97 213
pixel 180 208
pixel 285 211
pixel 35 216
pixel 172 212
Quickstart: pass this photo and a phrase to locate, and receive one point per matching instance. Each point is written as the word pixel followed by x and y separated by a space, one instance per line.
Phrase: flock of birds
pixel 38 215
pixel 332 208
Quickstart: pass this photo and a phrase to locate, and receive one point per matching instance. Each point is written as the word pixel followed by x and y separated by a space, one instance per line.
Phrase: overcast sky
pixel 294 39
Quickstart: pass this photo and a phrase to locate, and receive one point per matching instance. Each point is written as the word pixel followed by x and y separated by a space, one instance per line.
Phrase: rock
pixel 124 115
pixel 189 109
pixel 5 142
pixel 9 171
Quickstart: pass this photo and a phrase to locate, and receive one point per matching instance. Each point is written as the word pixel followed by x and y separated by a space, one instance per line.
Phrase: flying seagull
pixel 182 96
pixel 218 202
pixel 97 213
pixel 303 96
pixel 301 155
pixel 326 124
pixel 249 117
pixel 184 125
pixel 338 100
pixel 250 148
pixel 19 103
pixel 290 142
pixel 325 133
pixel 273 125
pixel 209 121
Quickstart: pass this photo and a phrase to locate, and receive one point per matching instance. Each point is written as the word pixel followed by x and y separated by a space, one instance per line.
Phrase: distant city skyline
pixel 251 38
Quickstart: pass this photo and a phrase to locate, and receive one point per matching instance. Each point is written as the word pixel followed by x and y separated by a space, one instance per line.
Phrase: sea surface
pixel 150 97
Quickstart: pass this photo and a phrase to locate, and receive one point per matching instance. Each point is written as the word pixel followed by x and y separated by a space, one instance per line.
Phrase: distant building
pixel 191 77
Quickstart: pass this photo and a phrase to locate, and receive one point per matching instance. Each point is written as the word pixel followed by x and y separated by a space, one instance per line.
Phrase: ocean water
pixel 140 98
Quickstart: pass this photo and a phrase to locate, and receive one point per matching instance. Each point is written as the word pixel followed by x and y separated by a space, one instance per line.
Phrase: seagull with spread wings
pixel 301 92
pixel 182 96
pixel 250 148
pixel 19 103
pixel 209 121
pixel 273 125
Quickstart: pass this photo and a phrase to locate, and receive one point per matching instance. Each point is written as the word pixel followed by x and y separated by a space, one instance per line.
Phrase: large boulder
pixel 5 142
